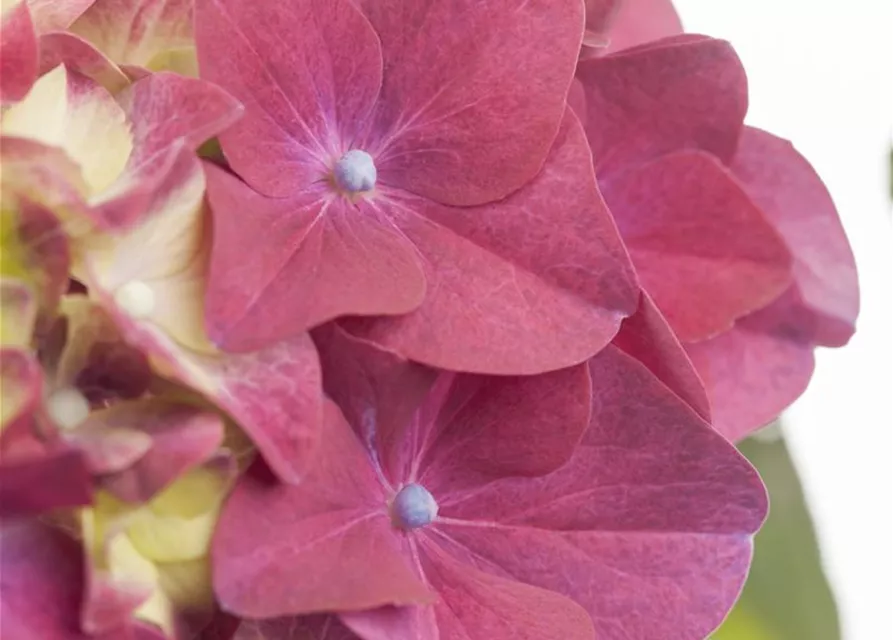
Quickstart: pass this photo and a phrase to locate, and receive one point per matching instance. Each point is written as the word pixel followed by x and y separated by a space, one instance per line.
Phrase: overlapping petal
pixel 641 21
pixel 527 545
pixel 452 132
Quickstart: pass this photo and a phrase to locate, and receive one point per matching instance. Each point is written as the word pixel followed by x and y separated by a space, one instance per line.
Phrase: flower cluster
pixel 391 319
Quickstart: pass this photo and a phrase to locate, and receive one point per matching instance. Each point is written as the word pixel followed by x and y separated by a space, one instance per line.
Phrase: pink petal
pixel 319 627
pixel 648 338
pixel 53 15
pixel 34 484
pixel 40 584
pixel 108 450
pixel 108 604
pixel 19 59
pixel 38 233
pixel 703 250
pixel 180 437
pixel 62 47
pixel 310 258
pixel 679 93
pixel 273 394
pixel 378 393
pixel 165 107
pixel 600 14
pixel 474 605
pixel 791 194
pixel 494 427
pixel 641 21
pixel 307 71
pixel 332 530
pixel 756 370
pixel 653 514
pixel 459 119
pixel 18 307
pixel 22 383
pixel 544 269
pixel 133 32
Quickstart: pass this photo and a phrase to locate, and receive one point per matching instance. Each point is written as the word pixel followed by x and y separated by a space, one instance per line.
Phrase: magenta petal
pixel 180 437
pixel 464 122
pixel 791 194
pixel 536 282
pixel 31 485
pixel 318 627
pixel 19 59
pixel 648 338
pixel 295 263
pixel 378 392
pixel 108 450
pixel 653 514
pixel 756 370
pixel 641 21
pixel 679 93
pixel 493 427
pixel 481 606
pixel 166 107
pixel 701 247
pixel 322 530
pixel 307 71
pixel 41 578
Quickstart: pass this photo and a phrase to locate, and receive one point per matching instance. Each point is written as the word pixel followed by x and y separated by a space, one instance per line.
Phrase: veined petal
pixel 54 15
pixel 466 125
pixel 536 282
pixel 63 47
pixel 298 262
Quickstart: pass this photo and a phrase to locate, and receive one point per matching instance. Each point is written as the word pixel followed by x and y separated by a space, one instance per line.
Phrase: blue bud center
pixel 413 507
pixel 355 172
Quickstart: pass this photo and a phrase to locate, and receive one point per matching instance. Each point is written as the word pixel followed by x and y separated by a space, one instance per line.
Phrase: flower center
pixel 136 298
pixel 67 407
pixel 355 171
pixel 413 507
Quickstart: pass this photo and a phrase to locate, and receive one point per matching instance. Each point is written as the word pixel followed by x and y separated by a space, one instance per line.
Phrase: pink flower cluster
pixel 391 319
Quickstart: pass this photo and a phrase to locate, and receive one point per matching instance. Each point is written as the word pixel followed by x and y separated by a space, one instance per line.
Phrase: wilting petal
pixel 510 293
pixel 324 530
pixel 68 110
pixel 178 438
pixel 53 15
pixel 702 249
pixel 688 92
pixel 654 513
pixel 307 72
pixel 641 21
pixel 296 262
pixel 18 44
pixel 141 33
pixel 758 368
pixel 792 196
pixel 467 126
pixel 648 338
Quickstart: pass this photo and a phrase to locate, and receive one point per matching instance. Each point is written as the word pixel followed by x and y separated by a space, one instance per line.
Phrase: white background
pixel 821 74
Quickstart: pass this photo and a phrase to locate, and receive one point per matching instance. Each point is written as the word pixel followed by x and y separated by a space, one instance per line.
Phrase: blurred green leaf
pixel 787 596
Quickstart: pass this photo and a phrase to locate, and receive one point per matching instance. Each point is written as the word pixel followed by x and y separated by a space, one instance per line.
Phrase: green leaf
pixel 787 596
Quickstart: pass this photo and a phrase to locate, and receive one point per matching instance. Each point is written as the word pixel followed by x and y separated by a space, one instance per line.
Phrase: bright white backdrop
pixel 821 74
